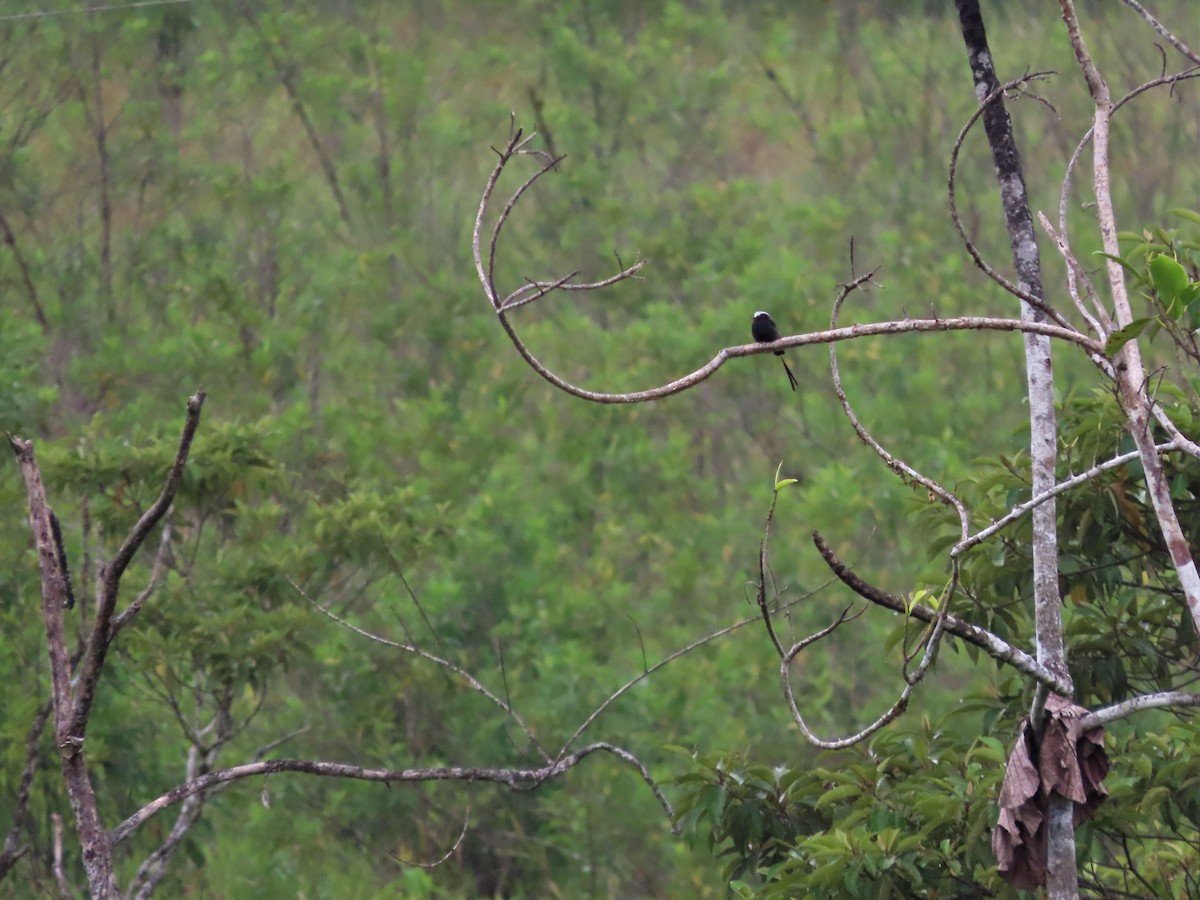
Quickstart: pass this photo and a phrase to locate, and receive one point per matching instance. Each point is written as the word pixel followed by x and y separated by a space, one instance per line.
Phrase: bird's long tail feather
pixel 791 378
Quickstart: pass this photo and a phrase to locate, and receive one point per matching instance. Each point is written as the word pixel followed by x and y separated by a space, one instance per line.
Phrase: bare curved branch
pixel 845 333
pixel 787 657
pixel 462 834
pixel 533 290
pixel 891 714
pixel 911 679
pixel 513 778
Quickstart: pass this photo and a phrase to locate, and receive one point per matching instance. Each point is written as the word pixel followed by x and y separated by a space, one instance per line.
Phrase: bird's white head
pixel 761 313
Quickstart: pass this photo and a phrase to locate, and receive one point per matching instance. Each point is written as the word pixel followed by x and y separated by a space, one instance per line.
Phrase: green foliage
pixel 910 815
pixel 291 190
pixel 907 816
pixel 1164 265
pixel 22 400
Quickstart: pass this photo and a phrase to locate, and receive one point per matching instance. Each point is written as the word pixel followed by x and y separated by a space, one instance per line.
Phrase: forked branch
pixel 786 657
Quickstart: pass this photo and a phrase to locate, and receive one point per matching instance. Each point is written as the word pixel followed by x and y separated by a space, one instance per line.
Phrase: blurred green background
pixel 274 200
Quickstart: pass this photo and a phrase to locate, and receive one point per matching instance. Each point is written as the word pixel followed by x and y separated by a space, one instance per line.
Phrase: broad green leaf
pixel 1170 280
pixel 1123 336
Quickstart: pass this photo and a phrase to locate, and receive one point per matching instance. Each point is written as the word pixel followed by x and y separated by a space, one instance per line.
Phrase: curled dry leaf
pixel 1069 760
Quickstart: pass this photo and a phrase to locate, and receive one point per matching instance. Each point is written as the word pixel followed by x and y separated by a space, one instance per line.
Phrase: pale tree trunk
pixel 1130 374
pixel 1062 876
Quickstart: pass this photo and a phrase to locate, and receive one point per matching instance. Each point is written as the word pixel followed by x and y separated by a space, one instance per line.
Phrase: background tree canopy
pixel 274 200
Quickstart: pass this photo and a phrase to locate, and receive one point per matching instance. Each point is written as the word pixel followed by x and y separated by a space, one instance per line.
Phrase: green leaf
pixel 1190 214
pixel 838 793
pixel 1170 281
pixel 1126 266
pixel 1123 336
pixel 780 485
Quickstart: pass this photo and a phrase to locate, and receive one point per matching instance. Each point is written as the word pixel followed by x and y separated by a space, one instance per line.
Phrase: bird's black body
pixel 764 330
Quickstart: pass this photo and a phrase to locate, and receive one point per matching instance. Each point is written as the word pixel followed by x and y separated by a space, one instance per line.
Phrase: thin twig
pixel 462 673
pixel 1100 324
pixel 517 298
pixel 670 658
pixel 952 193
pixel 763 609
pixel 160 560
pixel 908 474
pixel 279 741
pixel 1162 30
pixel 56 866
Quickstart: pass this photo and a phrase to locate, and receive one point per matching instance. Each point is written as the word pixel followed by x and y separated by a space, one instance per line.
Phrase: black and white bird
pixel 764 330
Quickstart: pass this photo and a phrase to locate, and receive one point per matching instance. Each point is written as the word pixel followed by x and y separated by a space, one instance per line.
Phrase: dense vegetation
pixel 274 201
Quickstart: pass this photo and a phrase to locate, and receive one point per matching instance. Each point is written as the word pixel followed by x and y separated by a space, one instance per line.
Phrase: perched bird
pixel 764 330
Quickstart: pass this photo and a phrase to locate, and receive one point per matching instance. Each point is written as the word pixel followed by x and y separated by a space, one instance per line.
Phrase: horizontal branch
pixel 1126 708
pixel 832 335
pixel 513 778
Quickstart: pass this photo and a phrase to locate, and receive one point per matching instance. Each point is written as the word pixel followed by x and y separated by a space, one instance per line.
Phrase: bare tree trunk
pixel 95 847
pixel 1062 876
